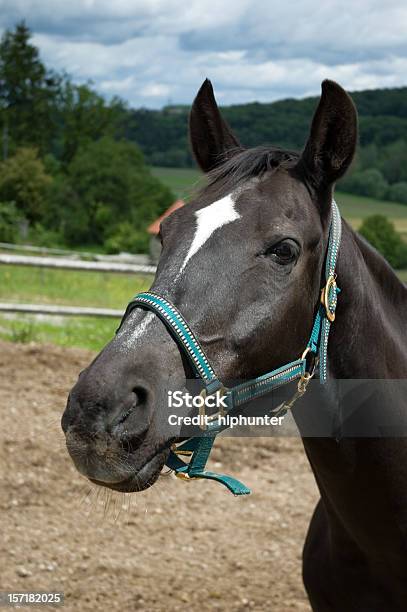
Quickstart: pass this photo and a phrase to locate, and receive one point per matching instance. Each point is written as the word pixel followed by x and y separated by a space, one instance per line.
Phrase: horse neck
pixel 368 336
pixel 368 341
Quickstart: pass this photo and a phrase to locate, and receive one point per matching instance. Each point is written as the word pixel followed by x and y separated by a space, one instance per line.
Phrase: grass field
pixel 18 284
pixel 180 180
pixel 41 286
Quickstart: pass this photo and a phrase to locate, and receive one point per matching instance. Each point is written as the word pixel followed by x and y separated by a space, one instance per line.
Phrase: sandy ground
pixel 179 546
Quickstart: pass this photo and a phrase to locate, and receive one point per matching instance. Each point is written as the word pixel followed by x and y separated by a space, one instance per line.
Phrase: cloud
pixel 151 51
pixel 155 90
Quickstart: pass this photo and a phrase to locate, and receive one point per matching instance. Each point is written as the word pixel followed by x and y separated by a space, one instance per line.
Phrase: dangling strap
pixel 198 449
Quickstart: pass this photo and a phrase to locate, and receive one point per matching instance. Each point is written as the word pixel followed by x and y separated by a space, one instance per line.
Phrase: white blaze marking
pixel 210 219
pixel 131 336
pixel 139 330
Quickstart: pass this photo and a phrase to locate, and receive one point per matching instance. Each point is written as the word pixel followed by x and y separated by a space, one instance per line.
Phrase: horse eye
pixel 283 252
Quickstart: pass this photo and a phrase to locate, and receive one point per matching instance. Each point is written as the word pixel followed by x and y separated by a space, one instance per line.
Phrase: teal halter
pixel 199 448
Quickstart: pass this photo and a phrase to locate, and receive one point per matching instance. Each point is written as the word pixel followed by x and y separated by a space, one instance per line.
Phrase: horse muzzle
pixel 111 440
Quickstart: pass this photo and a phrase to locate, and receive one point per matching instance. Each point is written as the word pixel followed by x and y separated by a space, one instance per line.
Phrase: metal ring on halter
pixel 315 362
pixel 330 284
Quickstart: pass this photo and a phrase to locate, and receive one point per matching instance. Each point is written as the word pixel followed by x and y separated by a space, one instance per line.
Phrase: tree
pixel 393 161
pixel 398 192
pixel 109 184
pixel 381 234
pixel 27 93
pixel 368 182
pixel 23 180
pixel 84 117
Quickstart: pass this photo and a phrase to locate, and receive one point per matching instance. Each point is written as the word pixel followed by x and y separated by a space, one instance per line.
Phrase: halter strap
pixel 199 448
pixel 325 316
pixel 182 333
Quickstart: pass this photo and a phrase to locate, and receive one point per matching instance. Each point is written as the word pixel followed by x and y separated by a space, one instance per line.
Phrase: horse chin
pixel 144 478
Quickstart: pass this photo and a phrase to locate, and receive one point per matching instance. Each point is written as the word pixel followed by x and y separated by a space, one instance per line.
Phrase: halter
pixel 302 369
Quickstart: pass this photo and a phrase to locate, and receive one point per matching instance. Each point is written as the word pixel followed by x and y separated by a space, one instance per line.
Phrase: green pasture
pixel 181 181
pixel 71 288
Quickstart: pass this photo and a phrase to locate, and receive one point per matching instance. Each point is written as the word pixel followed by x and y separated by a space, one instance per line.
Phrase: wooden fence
pixel 68 263
pixel 60 263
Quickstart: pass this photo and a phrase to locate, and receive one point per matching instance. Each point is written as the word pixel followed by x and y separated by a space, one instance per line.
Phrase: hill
pixel 162 134
pixel 379 171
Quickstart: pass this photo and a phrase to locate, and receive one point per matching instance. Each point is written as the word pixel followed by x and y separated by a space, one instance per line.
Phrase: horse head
pixel 242 262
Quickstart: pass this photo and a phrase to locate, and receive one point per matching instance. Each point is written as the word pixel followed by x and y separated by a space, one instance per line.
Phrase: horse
pixel 243 262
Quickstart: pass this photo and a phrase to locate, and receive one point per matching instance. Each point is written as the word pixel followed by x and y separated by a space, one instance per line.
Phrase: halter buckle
pixel 181 453
pixel 183 476
pixel 325 294
pixel 302 385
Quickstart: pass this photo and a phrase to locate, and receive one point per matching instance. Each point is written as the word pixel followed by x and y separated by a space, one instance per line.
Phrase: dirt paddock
pixel 178 546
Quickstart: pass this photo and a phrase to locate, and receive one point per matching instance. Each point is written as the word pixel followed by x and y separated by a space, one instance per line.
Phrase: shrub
pixel 128 239
pixel 111 189
pixel 398 192
pixel 24 181
pixel 381 234
pixel 10 222
pixel 41 236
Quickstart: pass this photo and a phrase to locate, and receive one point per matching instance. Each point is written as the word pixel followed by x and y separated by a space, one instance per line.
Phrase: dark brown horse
pixel 243 262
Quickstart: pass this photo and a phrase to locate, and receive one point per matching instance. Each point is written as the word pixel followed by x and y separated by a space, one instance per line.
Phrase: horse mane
pixel 234 169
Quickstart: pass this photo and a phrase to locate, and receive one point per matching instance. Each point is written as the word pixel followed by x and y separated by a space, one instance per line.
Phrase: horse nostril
pixel 140 396
pixel 139 399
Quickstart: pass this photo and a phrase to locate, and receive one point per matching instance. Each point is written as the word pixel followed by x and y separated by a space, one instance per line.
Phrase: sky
pixel 155 52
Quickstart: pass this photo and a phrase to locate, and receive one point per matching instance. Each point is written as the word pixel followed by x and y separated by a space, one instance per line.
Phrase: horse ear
pixel 333 137
pixel 212 140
